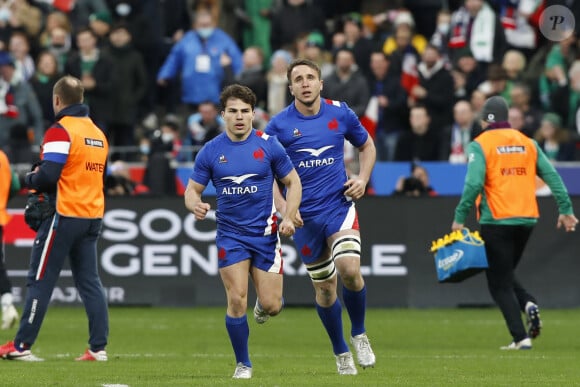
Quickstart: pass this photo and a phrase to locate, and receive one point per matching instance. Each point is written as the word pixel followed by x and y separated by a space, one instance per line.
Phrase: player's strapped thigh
pixel 346 246
pixel 321 271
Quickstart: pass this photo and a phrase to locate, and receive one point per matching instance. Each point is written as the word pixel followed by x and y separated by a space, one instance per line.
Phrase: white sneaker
pixel 93 356
pixel 345 364
pixel 364 352
pixel 242 372
pixel 259 314
pixel 9 352
pixel 26 357
pixel 523 344
pixel 9 316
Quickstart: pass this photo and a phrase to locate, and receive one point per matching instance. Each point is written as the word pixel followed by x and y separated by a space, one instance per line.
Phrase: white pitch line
pixel 24 273
pixel 116 356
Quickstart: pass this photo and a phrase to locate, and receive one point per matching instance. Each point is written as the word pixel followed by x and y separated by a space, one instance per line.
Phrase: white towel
pixel 4 87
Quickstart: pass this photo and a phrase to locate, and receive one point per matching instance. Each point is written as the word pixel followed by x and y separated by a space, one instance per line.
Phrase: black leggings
pixel 504 246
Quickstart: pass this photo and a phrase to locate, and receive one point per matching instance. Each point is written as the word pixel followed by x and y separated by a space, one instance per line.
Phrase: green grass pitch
pixel 189 347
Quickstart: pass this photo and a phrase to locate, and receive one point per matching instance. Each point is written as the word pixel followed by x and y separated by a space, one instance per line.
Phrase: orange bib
pixel 510 177
pixel 80 187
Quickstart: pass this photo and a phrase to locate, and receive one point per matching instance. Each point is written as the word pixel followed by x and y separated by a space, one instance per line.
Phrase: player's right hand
pixel 200 210
pixel 287 228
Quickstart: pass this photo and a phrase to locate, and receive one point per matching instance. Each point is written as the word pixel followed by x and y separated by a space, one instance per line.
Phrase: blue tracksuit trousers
pixel 57 238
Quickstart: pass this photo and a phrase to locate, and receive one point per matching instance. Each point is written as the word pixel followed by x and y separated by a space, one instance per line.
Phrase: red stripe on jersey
pixel 56 133
pixel 281 263
pixel 328 101
pixel 355 225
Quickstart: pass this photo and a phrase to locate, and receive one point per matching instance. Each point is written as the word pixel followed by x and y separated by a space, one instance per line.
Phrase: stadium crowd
pixel 415 72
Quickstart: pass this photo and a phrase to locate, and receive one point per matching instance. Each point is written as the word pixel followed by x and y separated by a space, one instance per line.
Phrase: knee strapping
pixel 323 271
pixel 347 245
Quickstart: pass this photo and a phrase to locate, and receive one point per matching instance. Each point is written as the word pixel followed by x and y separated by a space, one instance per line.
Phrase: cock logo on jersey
pixel 333 125
pixel 259 154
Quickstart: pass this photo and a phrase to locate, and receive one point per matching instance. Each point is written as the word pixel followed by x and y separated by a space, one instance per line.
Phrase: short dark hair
pixel 241 92
pixel 121 26
pixel 495 72
pixel 434 47
pixel 302 62
pixel 522 85
pixel 208 102
pixel 420 106
pixel 343 49
pixel 86 29
pixel 69 89
pixel 382 53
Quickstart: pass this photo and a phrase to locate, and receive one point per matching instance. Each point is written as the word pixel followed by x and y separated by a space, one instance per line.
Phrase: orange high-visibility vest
pixel 80 187
pixel 5 182
pixel 510 173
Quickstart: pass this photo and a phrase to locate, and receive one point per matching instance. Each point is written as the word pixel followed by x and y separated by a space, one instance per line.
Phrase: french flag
pixel 409 74
pixel 508 19
pixel 56 146
pixel 370 118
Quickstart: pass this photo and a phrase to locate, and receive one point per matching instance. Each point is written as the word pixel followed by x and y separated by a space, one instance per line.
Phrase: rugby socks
pixel 355 303
pixel 332 321
pixel 239 332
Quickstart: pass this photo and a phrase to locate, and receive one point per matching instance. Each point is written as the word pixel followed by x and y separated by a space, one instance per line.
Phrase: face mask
pixel 4 14
pixel 144 149
pixel 123 9
pixel 443 28
pixel 42 78
pixel 205 32
pixel 167 137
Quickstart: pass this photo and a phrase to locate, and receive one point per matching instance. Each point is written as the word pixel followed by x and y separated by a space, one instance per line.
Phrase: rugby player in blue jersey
pixel 313 131
pixel 242 164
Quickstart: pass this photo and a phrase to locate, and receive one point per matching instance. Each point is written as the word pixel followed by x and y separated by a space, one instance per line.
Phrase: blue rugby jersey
pixel 243 175
pixel 315 145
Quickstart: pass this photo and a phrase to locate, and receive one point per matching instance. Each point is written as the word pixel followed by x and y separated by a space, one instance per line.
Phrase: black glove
pixel 34 165
pixel 38 209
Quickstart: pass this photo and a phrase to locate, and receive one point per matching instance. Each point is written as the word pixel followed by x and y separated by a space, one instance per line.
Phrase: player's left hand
pixel 569 222
pixel 287 227
pixel 355 188
pixel 456 226
pixel 298 222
